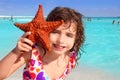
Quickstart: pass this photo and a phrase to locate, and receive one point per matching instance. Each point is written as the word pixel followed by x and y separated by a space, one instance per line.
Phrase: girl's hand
pixel 23 44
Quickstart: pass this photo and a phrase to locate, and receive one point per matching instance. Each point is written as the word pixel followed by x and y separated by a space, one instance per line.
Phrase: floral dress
pixel 35 70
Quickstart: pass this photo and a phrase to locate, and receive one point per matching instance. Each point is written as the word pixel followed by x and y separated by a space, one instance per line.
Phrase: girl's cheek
pixel 52 37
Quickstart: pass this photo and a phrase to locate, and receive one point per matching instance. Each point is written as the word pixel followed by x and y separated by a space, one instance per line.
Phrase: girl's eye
pixel 55 31
pixel 69 35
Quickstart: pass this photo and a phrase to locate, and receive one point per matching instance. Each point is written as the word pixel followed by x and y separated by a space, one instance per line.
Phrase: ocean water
pixel 101 47
pixel 102 44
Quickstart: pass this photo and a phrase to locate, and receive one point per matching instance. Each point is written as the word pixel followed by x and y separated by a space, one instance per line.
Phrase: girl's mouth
pixel 58 47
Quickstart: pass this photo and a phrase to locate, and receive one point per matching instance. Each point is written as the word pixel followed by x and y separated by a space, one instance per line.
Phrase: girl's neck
pixel 52 57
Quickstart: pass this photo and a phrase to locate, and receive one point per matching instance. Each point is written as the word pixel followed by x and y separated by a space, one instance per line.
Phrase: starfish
pixel 39 28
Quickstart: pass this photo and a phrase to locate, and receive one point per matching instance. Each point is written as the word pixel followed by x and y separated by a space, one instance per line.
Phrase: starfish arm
pixel 39 15
pixel 43 40
pixel 52 25
pixel 25 27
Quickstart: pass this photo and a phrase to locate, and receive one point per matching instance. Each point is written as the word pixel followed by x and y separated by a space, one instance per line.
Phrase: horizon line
pixel 46 16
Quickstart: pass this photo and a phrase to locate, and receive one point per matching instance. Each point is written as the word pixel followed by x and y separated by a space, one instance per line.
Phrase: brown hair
pixel 69 15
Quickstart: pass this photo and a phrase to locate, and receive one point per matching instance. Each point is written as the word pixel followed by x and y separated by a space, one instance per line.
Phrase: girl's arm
pixel 17 57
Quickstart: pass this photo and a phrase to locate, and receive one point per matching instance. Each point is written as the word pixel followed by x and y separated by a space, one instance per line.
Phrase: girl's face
pixel 62 39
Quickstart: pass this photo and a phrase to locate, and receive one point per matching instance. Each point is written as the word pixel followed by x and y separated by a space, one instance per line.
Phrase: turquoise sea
pixel 101 47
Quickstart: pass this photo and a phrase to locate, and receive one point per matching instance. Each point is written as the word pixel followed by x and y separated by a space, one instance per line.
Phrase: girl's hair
pixel 69 15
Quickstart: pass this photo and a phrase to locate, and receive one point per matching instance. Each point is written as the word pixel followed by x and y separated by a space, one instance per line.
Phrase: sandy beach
pixel 79 73
pixel 16 75
pixel 87 73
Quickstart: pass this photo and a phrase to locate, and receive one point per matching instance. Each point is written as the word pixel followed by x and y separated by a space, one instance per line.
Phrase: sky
pixel 90 8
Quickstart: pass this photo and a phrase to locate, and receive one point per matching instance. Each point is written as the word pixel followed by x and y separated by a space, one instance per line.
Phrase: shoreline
pixel 79 73
pixel 14 16
pixel 88 73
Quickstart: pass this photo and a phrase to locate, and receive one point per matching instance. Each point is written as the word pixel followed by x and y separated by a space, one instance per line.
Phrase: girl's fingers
pixel 26 48
pixel 26 34
pixel 24 44
pixel 23 47
pixel 26 41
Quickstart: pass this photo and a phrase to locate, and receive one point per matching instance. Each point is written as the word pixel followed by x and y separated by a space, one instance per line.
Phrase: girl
pixel 41 64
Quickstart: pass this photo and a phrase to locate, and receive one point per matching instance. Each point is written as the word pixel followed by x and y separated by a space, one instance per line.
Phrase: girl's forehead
pixel 70 26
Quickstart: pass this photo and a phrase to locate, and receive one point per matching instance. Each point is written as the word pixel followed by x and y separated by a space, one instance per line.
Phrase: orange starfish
pixel 39 28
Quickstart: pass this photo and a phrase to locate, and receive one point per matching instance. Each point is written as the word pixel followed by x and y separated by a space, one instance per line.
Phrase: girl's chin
pixel 58 51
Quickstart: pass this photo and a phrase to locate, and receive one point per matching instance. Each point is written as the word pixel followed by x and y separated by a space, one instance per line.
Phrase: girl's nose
pixel 60 39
